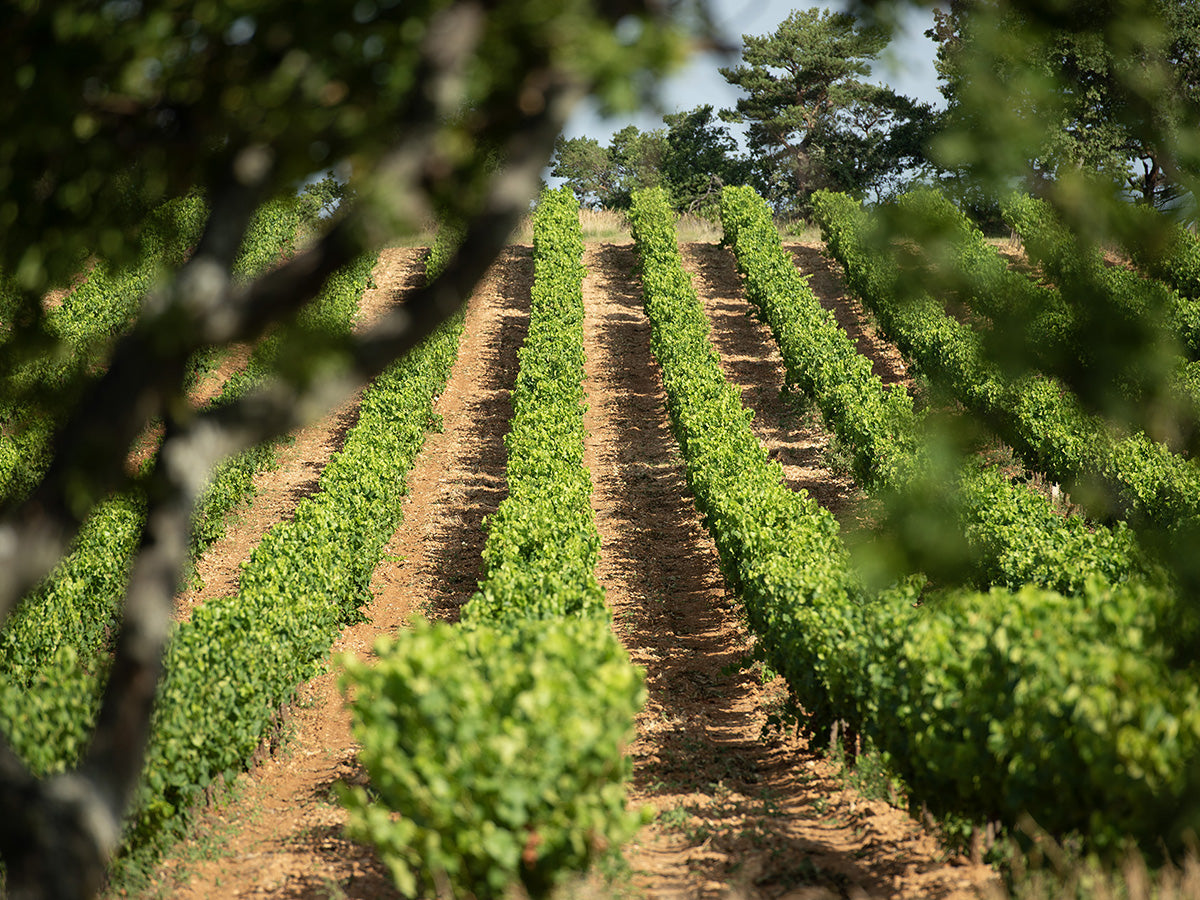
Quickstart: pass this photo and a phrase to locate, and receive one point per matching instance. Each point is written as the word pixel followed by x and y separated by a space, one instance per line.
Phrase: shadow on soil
pixel 414 278
pixel 826 283
pixel 457 542
pixel 729 799
pixel 369 879
pixel 786 424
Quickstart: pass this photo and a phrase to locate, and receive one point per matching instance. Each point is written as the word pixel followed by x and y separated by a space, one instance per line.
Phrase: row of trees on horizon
pixel 814 120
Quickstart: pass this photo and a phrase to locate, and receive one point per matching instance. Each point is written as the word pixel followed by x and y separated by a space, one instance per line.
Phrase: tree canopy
pixel 1052 98
pixel 701 157
pixel 115 111
pixel 815 120
pixel 692 157
pixel 1091 107
pixel 586 167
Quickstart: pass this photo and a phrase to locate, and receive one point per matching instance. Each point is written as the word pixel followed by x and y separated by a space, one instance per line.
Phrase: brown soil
pixel 282 834
pixel 743 813
pixel 299 459
pixel 789 428
pixel 54 298
pixel 826 282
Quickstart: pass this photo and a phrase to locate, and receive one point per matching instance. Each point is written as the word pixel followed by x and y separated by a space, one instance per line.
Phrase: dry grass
pixel 1080 881
pixel 419 237
pixel 1006 245
pixel 604 225
pixel 607 225
pixel 523 233
pixel 612 226
pixel 798 230
pixel 597 225
pixel 692 228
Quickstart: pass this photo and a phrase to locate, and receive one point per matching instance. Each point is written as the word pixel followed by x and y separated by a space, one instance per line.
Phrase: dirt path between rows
pixel 741 814
pixel 281 833
pixel 300 460
pixel 785 424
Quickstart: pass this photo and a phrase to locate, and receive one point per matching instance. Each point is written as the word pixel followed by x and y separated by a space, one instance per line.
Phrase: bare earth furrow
pixel 786 425
pixel 279 490
pixel 282 836
pixel 742 813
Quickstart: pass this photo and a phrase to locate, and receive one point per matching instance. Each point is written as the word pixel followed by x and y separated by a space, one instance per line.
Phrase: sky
pixel 907 68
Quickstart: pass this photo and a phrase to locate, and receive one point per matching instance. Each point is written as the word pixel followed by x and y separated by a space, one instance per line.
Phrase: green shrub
pixel 988 705
pixel 496 747
pixel 1093 289
pixel 1013 534
pixel 33 396
pixel 502 748
pixel 1176 260
pixel 1115 474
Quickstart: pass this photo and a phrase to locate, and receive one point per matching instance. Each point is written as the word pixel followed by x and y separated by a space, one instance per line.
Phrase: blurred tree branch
pixel 423 102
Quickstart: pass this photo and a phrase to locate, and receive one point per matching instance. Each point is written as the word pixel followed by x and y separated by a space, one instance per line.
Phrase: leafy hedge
pixel 542 545
pixel 84 324
pixel 988 285
pixel 270 237
pixel 779 549
pixel 270 234
pixel 1127 299
pixel 1177 262
pixel 75 609
pixel 1014 533
pixel 991 705
pixel 103 305
pixel 525 781
pixel 446 242
pixel 1115 475
pixel 331 312
pixel 1032 325
pixel 238 660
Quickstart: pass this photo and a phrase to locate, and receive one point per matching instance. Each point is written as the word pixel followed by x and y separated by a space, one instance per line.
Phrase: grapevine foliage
pixel 991 704
pixel 495 747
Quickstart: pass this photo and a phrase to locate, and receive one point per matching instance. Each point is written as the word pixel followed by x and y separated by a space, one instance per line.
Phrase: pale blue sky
pixel 908 67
